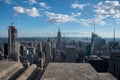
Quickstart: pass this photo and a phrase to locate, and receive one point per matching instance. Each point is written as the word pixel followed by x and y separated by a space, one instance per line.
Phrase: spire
pixel 94 26
pixel 59 29
pixel 114 34
pixel 59 33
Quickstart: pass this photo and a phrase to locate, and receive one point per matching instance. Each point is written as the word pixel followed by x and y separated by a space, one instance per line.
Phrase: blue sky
pixel 76 18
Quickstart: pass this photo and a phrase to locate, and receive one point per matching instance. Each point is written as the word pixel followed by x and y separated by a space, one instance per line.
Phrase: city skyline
pixel 76 18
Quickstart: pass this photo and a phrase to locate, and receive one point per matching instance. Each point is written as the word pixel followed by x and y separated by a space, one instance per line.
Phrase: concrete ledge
pixel 17 74
pixel 8 68
pixel 106 76
pixel 27 72
pixel 11 73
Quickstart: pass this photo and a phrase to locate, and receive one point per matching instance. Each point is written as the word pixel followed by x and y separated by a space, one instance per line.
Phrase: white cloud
pixel 117 15
pixel 33 12
pixel 30 2
pixel 7 1
pixel 97 21
pixel 43 5
pixel 76 14
pixel 19 9
pixel 74 18
pixel 80 6
pixel 85 24
pixel 108 9
pixel 112 3
pixel 59 18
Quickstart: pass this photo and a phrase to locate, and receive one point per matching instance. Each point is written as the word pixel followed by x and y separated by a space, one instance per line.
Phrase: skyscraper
pixel 41 56
pixel 31 54
pixel 48 51
pixel 93 40
pixel 97 43
pixel 13 45
pixel 70 54
pixel 59 40
pixel 39 47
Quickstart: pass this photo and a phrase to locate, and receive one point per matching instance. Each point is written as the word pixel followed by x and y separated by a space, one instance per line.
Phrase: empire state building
pixel 58 40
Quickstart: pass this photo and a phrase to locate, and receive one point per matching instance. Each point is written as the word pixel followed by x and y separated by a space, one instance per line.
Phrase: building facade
pixel 114 66
pixel 13 45
pixel 48 55
pixel 58 40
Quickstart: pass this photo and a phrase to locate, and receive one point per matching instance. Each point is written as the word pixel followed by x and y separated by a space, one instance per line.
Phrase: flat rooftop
pixel 74 71
pixel 93 57
pixel 70 71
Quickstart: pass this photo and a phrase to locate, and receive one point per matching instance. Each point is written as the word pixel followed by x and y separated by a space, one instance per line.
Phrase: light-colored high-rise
pixel 48 51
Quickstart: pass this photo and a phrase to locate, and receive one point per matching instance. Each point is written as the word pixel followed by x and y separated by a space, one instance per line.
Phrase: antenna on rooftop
pixel 59 29
pixel 114 34
pixel 94 26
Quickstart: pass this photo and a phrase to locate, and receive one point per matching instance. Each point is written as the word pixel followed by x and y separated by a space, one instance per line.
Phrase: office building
pixel 41 56
pixel 114 65
pixel 48 55
pixel 98 63
pixel 13 45
pixel 70 54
